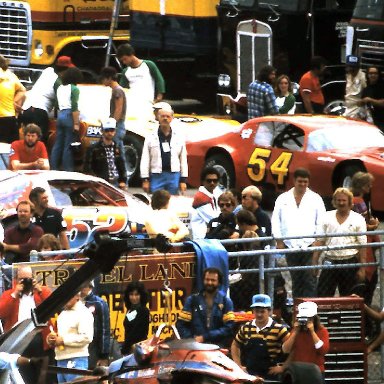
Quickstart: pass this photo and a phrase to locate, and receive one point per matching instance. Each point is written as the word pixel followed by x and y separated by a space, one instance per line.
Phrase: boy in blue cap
pixel 259 343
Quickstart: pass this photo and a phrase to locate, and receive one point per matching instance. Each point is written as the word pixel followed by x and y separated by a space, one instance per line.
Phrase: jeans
pixel 165 180
pixel 119 140
pixel 76 362
pixel 303 282
pixel 62 154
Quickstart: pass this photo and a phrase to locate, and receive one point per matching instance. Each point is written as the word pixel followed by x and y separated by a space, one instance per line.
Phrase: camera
pixel 27 283
pixel 303 321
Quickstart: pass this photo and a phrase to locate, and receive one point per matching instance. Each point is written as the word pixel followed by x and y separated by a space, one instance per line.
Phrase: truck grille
pixel 15 32
pixel 371 53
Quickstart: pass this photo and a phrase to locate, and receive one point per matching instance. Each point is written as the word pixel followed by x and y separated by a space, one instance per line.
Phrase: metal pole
pixel 114 21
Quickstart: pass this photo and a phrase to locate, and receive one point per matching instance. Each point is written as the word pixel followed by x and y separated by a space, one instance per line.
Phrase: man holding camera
pixel 17 303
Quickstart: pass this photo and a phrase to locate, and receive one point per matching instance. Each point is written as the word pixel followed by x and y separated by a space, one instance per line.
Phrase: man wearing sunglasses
pixel 205 202
pixel 224 226
pixel 104 159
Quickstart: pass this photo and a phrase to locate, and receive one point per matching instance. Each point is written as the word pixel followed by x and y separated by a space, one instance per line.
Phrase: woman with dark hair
pixel 68 119
pixel 136 321
pixel 361 185
pixel 309 340
pixel 284 96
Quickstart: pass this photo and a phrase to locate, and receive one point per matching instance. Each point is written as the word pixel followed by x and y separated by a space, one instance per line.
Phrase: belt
pixel 342 261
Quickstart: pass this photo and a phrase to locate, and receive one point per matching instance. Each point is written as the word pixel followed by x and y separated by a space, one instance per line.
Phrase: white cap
pixel 163 105
pixel 109 123
pixel 307 309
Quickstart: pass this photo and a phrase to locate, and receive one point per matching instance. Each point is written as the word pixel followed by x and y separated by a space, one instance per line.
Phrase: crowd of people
pixel 263 346
pixel 364 95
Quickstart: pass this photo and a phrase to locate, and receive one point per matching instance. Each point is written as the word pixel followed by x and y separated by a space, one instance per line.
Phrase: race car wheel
pixel 344 178
pixel 133 147
pixel 302 373
pixel 225 167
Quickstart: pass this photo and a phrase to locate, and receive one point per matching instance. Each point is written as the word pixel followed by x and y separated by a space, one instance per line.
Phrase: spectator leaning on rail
pixel 163 220
pixel 205 202
pixel 298 212
pixel 309 340
pixel 208 316
pixel 341 220
pixel 164 159
pixel 259 343
pixel 29 153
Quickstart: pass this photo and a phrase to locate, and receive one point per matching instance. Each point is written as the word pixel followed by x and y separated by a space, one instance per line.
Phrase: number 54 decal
pixel 258 162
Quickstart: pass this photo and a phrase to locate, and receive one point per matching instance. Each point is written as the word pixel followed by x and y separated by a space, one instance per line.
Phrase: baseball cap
pixel 261 300
pixel 352 61
pixel 307 309
pixel 109 123
pixel 163 105
pixel 64 61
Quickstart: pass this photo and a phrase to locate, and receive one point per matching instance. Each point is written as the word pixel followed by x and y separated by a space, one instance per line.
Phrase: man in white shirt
pixel 298 212
pixel 341 220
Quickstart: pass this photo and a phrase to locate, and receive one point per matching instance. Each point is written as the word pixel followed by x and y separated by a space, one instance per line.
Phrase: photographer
pixel 17 303
pixel 309 340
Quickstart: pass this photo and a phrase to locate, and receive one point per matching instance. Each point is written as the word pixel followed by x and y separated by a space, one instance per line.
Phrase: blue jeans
pixel 62 154
pixel 165 180
pixel 119 140
pixel 76 362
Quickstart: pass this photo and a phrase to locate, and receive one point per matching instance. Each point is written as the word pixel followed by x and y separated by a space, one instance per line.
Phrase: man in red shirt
pixel 29 153
pixel 310 87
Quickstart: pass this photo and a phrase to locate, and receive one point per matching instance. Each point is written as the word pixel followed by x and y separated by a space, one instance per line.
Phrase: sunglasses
pixel 212 180
pixel 222 205
pixel 109 129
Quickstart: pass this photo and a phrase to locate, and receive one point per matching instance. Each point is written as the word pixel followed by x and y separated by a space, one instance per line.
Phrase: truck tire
pixel 133 148
pixel 225 167
pixel 302 373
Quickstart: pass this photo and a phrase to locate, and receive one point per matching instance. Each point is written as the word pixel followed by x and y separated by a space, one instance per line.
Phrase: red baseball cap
pixel 64 61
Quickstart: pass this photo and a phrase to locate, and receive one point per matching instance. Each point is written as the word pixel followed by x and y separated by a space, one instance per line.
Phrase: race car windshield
pixel 344 138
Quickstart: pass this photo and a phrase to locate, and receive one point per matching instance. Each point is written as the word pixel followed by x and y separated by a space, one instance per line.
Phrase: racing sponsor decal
pixel 93 131
pixel 152 270
pixel 259 161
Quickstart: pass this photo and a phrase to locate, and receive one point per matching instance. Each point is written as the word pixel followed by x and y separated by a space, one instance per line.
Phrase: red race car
pixel 265 152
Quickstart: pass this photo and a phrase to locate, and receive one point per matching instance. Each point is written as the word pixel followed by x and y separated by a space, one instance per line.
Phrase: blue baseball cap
pixel 352 61
pixel 261 300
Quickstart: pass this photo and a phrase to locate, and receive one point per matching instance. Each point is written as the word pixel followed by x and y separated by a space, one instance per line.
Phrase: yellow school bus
pixel 35 32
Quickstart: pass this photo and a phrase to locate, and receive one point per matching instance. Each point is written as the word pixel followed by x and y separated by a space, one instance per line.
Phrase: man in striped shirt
pixel 259 344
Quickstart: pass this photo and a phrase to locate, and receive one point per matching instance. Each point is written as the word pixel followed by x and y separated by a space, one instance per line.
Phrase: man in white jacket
pixel 164 159
pixel 205 205
pixel 74 334
pixel 298 212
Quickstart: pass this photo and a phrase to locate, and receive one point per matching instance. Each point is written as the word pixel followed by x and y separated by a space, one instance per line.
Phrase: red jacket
pixel 9 309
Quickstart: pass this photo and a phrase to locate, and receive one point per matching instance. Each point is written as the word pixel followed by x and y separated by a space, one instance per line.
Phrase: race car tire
pixel 344 176
pixel 225 167
pixel 302 373
pixel 133 148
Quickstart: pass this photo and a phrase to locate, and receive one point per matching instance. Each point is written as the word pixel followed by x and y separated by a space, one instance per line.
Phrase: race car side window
pixel 267 131
pixel 291 138
pixel 61 197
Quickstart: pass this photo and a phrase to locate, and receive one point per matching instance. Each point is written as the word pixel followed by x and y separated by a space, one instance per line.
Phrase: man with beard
pixel 341 220
pixel 208 315
pixel 261 96
pixel 29 153
pixel 49 219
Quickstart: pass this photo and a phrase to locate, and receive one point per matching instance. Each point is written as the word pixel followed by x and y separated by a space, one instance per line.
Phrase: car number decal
pixel 258 163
